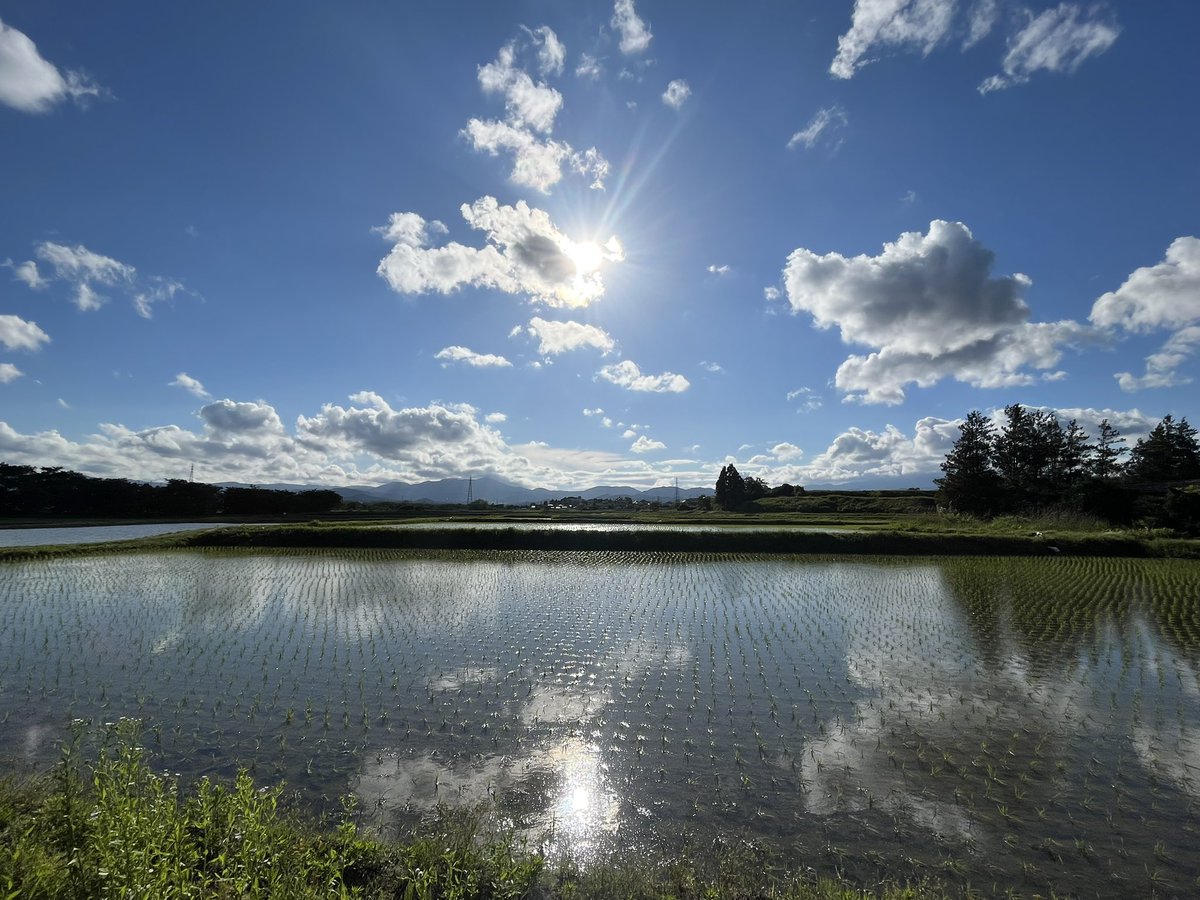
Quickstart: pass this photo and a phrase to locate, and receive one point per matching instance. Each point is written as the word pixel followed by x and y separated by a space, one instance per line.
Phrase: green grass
pixel 114 828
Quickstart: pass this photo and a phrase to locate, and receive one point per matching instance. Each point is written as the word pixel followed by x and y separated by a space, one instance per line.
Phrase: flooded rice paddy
pixel 93 534
pixel 1024 723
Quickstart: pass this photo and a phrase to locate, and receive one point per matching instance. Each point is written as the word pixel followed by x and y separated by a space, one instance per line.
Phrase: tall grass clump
pixel 114 828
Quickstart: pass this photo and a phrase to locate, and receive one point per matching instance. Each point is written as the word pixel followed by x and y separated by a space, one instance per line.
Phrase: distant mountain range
pixel 493 490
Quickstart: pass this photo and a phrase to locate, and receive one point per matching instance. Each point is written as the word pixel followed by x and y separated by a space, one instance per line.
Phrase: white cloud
pixel 27 273
pixel 596 411
pixel 552 55
pixel 1165 296
pixel 677 93
pixel 9 372
pixel 531 107
pixel 630 432
pixel 635 33
pixel 495 418
pixel 79 264
pixel 526 103
pixel 786 452
pixel 589 67
pixel 644 445
pixel 471 358
pixel 714 269
pixel 981 19
pixel 807 397
pixel 191 385
pixel 1161 366
pixel 525 254
pixel 606 422
pixel 930 306
pixel 917 24
pixel 85 269
pixel 829 122
pixel 537 163
pixel 626 374
pixel 33 84
pixel 154 291
pixel 772 293
pixel 715 368
pixel 1057 40
pixel 430 442
pixel 17 334
pixel 559 337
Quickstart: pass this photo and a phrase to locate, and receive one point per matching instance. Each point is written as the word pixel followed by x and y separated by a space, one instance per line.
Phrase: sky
pixel 586 243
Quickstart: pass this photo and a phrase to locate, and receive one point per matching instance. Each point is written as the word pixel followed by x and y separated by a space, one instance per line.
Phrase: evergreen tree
pixel 1169 453
pixel 1105 459
pixel 970 483
pixel 731 489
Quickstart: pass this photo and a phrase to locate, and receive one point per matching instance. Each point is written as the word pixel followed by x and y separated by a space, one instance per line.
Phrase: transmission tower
pixel 470 490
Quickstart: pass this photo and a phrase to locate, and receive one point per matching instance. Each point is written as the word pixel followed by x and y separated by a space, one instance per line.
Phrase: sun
pixel 586 255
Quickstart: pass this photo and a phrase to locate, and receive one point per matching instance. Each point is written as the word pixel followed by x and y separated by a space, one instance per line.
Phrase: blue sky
pixel 586 243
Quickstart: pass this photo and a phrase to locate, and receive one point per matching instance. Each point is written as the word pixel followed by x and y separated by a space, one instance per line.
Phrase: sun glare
pixel 587 256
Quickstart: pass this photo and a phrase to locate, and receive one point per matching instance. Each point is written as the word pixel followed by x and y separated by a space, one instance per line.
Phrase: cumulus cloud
pixel 9 372
pixel 33 84
pixel 715 368
pixel 495 418
pixel 714 269
pixel 432 442
pixel 525 254
pixel 471 358
pixel 530 110
pixel 560 337
pixel 191 385
pixel 1056 40
pixel 18 334
pixel 1165 296
pixel 911 24
pixel 828 122
pixel 677 93
pixel 644 445
pixel 1161 366
pixel 593 411
pixel 635 33
pixel 526 103
pixel 85 271
pixel 931 307
pixel 27 273
pixel 626 374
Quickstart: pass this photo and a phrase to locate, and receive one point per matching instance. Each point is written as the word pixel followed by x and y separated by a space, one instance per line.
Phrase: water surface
pixel 1028 722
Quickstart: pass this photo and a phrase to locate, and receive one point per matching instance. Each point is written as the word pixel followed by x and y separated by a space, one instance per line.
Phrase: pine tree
pixel 971 483
pixel 1169 452
pixel 1105 460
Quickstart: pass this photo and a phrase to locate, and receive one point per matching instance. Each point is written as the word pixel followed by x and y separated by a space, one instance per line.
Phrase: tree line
pixel 1033 461
pixel 57 492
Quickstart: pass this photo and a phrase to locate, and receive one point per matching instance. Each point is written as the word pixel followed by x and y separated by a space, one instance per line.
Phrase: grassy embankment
pixel 899 536
pixel 114 828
